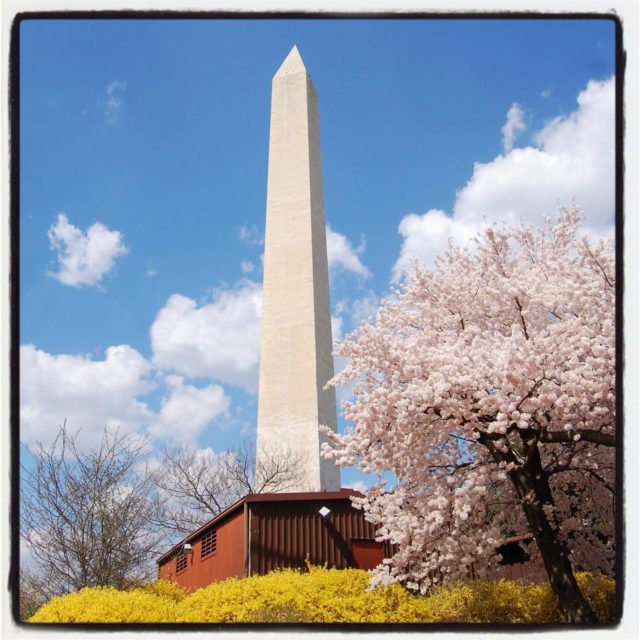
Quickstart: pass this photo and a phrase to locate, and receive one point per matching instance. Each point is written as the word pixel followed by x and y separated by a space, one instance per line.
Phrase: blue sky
pixel 143 183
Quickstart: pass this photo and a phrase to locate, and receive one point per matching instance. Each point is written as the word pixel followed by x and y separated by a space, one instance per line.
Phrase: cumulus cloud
pixel 219 340
pixel 114 103
pixel 89 394
pixel 188 410
pixel 250 235
pixel 343 256
pixel 511 127
pixel 246 266
pixel 358 309
pixel 426 236
pixel 336 327
pixel 364 308
pixel 357 485
pixel 84 258
pixel 348 314
pixel 573 156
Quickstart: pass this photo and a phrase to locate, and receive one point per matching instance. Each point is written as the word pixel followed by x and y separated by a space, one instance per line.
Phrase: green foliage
pixel 327 596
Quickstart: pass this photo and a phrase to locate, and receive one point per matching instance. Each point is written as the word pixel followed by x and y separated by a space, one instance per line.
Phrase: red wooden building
pixel 262 532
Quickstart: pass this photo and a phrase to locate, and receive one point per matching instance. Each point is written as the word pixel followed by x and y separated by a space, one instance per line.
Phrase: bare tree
pixel 87 519
pixel 195 486
pixel 34 592
pixel 269 472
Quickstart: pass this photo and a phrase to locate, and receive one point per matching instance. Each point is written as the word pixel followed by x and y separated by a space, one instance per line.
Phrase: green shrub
pixel 326 596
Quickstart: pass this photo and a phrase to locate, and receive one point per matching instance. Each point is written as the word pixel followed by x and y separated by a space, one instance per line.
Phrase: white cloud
pixel 246 266
pixel 358 485
pixel 364 308
pixel 188 410
pixel 342 255
pixel 84 258
pixel 357 310
pixel 250 234
pixel 336 327
pixel 353 312
pixel 573 157
pixel 344 392
pixel 88 394
pixel 511 127
pixel 220 340
pixel 114 104
pixel 426 236
pixel 93 394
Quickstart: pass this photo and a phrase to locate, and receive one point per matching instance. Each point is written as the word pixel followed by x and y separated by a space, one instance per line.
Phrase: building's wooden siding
pixel 367 554
pixel 285 534
pixel 289 531
pixel 226 562
pixel 167 570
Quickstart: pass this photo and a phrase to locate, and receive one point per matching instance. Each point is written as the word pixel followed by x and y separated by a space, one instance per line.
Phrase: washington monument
pixel 296 343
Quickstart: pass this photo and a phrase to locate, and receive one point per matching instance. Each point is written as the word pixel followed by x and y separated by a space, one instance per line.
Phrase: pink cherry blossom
pixel 487 387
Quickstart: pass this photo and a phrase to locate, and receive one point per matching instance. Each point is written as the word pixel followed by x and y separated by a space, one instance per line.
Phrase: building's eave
pixel 191 536
pixel 260 497
pixel 300 497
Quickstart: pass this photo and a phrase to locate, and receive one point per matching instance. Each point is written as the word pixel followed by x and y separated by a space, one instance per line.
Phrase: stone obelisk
pixel 296 343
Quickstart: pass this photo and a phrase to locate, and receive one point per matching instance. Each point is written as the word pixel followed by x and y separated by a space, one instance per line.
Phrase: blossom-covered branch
pixel 491 379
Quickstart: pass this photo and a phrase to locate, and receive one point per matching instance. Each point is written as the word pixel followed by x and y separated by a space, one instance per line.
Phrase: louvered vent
pixel 209 543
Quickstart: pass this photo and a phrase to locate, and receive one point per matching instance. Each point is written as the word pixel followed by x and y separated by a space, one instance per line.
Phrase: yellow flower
pixel 326 596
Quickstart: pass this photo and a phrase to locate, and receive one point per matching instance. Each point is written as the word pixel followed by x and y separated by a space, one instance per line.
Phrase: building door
pixel 367 554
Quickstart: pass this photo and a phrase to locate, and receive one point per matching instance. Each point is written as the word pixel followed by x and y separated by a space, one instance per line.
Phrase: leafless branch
pixel 86 517
pixel 195 486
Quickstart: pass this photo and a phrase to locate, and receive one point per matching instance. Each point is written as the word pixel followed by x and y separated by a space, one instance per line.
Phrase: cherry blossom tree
pixel 487 387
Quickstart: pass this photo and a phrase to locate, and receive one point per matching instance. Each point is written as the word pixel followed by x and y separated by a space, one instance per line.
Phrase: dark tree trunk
pixel 533 488
pixel 534 492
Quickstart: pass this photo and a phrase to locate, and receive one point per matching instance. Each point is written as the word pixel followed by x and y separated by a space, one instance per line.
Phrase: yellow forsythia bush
pixel 600 591
pixel 106 604
pixel 510 601
pixel 325 596
pixel 319 595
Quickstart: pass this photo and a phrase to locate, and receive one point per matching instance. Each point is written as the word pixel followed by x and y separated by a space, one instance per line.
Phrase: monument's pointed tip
pixel 292 63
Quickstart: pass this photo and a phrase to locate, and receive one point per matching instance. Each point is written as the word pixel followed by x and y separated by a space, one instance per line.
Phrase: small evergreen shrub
pixel 325 596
